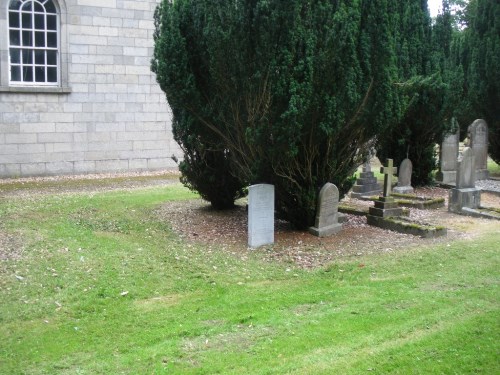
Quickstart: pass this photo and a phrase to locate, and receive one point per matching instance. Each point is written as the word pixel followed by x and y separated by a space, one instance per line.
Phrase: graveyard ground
pixel 137 275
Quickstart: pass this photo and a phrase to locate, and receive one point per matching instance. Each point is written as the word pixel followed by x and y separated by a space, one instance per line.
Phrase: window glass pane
pixel 15 4
pixel 50 7
pixel 27 74
pixel 15 38
pixel 27 56
pixel 51 57
pixel 26 20
pixel 39 57
pixel 51 22
pixel 13 19
pixel 15 73
pixel 51 74
pixel 39 39
pixel 52 40
pixel 27 38
pixel 39 8
pixel 40 21
pixel 28 6
pixel 15 56
pixel 39 74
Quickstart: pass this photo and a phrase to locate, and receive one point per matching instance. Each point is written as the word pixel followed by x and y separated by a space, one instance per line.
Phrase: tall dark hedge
pixel 477 53
pixel 428 89
pixel 290 92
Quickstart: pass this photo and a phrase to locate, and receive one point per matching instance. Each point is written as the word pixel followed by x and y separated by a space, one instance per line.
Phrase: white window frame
pixel 6 83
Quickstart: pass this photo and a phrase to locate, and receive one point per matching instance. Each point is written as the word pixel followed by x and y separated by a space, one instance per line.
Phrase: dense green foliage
pixel 290 93
pixel 476 52
pixel 429 89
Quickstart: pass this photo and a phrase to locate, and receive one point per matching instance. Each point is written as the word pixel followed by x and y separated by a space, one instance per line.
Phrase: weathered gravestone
pixel 404 178
pixel 260 215
pixel 327 220
pixel 448 155
pixel 478 137
pixel 366 184
pixel 465 193
pixel 385 205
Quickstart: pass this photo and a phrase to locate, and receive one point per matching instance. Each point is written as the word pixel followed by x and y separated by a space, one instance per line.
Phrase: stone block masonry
pixel 109 115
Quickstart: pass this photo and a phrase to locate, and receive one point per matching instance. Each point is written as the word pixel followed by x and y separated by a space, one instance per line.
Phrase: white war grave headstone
pixel 327 219
pixel 260 215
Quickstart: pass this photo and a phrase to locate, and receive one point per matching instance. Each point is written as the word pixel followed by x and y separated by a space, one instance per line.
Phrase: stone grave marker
pixel 478 137
pixel 448 155
pixel 327 219
pixel 260 215
pixel 404 178
pixel 465 194
pixel 366 184
pixel 385 205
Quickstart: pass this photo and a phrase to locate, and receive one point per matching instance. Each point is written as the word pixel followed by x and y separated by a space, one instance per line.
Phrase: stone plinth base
pixel 403 189
pixel 366 185
pixel 461 198
pixel 385 207
pixel 325 231
pixel 446 177
pixel 482 174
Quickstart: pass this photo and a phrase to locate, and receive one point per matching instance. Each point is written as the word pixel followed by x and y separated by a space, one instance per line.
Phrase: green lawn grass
pixel 105 287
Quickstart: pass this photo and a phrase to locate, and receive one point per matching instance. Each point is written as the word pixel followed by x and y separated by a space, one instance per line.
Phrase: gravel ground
pixel 196 222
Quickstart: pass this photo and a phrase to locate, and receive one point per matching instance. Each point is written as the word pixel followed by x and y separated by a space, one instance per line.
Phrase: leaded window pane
pixel 27 73
pixel 51 22
pixel 39 57
pixel 51 74
pixel 26 20
pixel 15 56
pixel 15 37
pixel 39 39
pixel 15 73
pixel 27 56
pixel 40 74
pixel 51 57
pixel 39 21
pixel 14 20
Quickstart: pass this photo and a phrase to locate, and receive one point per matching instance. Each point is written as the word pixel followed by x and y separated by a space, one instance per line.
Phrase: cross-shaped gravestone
pixel 388 172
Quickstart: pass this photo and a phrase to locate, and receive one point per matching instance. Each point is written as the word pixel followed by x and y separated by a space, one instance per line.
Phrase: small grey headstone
pixel 326 222
pixel 466 174
pixel 478 136
pixel 404 178
pixel 448 158
pixel 260 215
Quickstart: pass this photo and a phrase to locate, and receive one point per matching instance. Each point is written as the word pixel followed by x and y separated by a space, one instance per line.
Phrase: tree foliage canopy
pixel 289 93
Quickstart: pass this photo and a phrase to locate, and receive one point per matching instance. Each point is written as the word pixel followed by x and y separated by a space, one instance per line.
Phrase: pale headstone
pixel 466 176
pixel 327 220
pixel 448 154
pixel 465 194
pixel 404 178
pixel 260 215
pixel 478 137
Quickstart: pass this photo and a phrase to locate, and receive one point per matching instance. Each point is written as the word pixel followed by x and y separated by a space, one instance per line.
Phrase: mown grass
pixel 105 287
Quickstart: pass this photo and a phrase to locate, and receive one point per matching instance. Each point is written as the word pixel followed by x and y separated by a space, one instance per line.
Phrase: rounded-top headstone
pixel 405 170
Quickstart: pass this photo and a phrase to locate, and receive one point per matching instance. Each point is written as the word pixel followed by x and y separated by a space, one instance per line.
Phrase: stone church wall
pixel 108 115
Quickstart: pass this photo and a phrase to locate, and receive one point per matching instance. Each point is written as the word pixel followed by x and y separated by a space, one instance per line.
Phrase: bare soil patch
pixel 196 222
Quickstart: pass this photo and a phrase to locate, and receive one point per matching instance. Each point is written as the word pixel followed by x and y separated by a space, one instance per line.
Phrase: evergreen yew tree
pixel 428 89
pixel 477 53
pixel 285 92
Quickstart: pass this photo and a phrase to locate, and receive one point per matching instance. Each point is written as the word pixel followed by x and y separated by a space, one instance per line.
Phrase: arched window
pixel 34 43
